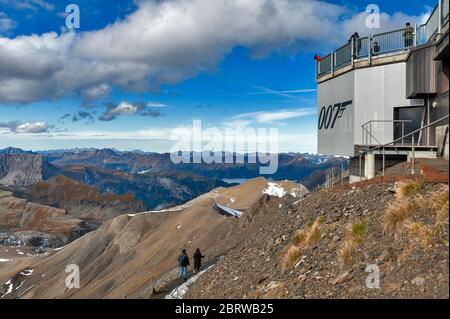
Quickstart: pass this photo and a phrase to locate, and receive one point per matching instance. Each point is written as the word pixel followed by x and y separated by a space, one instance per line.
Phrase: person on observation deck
pixel 408 35
pixel 356 44
pixel 376 48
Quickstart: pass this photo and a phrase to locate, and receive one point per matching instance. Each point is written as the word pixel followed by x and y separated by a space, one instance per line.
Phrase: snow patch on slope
pixel 274 189
pixel 180 291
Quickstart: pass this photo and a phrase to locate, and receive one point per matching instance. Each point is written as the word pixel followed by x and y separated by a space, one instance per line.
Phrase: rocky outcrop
pixel 82 201
pixel 156 190
pixel 38 241
pixel 24 169
pixel 19 215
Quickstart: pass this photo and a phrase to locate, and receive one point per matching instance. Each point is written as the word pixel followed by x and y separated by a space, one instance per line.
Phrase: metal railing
pixel 337 174
pixel 444 11
pixel 386 42
pixel 421 35
pixel 393 41
pixel 333 179
pixel 382 148
pixel 367 130
pixel 343 55
pixel 364 48
pixel 325 65
pixel 432 25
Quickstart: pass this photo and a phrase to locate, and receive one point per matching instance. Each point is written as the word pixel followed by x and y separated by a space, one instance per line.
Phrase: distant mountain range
pixel 308 169
pixel 150 177
pixel 155 189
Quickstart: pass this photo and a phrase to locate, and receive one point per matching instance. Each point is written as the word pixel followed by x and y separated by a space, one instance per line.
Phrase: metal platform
pixel 404 149
pixel 223 210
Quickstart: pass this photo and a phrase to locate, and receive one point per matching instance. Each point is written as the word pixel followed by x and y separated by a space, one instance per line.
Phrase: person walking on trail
pixel 183 263
pixel 408 35
pixel 197 260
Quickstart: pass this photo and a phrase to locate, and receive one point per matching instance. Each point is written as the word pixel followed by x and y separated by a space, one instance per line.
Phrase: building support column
pixel 369 166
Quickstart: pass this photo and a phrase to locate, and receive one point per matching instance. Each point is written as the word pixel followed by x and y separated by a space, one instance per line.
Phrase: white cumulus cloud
pixel 162 42
pixel 24 128
pixel 270 117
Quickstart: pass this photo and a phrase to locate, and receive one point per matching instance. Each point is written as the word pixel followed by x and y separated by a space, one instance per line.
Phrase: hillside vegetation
pixel 327 245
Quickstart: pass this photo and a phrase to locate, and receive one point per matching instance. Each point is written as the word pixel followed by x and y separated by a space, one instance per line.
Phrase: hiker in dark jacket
pixel 183 263
pixel 197 260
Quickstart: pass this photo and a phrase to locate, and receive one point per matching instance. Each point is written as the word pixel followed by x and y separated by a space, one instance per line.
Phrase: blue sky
pixel 136 70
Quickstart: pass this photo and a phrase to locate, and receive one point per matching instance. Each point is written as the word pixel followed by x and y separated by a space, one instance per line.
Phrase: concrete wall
pixel 337 140
pixel 374 92
pixel 377 91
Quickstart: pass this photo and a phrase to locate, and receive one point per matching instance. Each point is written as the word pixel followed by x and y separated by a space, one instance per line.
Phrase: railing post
pixel 403 133
pixel 384 159
pixel 332 63
pixel 353 51
pixel 317 65
pixel 362 134
pixel 342 173
pixel 369 49
pixel 360 176
pixel 332 175
pixel 413 157
pixel 415 35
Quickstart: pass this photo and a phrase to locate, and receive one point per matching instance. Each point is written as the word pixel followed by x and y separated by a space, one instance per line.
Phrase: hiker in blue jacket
pixel 183 263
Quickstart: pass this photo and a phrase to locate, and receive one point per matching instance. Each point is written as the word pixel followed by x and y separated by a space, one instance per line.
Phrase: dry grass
pixel 302 239
pixel 299 237
pixel 424 216
pixel 291 256
pixel 420 232
pixel 409 187
pixel 314 233
pixel 355 235
pixel 439 202
pixel 396 215
pixel 346 252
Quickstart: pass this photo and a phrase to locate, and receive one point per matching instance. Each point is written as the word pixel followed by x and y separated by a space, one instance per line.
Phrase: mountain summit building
pixel 383 98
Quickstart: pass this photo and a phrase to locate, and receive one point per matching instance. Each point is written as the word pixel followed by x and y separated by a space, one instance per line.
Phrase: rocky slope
pixel 156 190
pixel 24 169
pixel 126 254
pixel 82 201
pixel 20 218
pixel 321 247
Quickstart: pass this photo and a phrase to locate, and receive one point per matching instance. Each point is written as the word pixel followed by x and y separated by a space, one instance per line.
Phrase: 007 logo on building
pixel 329 115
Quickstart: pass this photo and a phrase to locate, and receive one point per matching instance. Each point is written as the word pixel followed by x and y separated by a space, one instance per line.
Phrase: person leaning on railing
pixel 376 48
pixel 356 44
pixel 408 35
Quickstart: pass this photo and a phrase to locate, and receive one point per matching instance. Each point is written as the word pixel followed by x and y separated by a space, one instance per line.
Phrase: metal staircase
pixel 399 147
